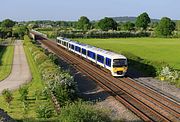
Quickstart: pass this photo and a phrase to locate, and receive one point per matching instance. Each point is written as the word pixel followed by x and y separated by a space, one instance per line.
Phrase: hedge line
pixel 60 83
pixel 104 34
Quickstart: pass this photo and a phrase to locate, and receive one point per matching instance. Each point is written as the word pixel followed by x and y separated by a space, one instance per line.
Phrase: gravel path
pixel 20 73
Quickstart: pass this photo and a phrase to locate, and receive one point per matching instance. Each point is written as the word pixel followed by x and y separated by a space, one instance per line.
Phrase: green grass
pixel 16 111
pixel 6 59
pixel 152 49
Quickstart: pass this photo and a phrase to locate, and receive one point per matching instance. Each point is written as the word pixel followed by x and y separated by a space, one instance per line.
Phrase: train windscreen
pixel 119 62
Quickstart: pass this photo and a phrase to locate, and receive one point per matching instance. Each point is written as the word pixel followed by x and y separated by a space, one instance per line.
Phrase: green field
pixel 152 49
pixel 6 58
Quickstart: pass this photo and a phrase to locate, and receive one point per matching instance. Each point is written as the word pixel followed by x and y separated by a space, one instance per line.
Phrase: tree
pixel 165 27
pixel 19 31
pixel 7 96
pixel 7 23
pixel 178 25
pixel 83 23
pixel 142 21
pixel 5 32
pixel 107 24
pixel 128 26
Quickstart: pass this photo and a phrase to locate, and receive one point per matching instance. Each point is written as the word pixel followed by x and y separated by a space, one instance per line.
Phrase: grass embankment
pixel 6 59
pixel 16 110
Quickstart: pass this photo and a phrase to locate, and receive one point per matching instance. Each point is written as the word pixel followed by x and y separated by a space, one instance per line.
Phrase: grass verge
pixel 6 59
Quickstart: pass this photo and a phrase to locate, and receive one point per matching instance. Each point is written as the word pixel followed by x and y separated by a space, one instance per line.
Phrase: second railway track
pixel 145 103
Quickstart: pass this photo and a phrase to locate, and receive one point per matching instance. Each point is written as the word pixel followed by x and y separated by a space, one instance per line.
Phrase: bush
pixel 82 112
pixel 61 93
pixel 8 96
pixel 169 74
pixel 40 58
pixel 44 111
pixel 53 57
pixel 23 92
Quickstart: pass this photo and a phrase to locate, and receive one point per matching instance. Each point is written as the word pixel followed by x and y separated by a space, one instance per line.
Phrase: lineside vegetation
pixel 33 102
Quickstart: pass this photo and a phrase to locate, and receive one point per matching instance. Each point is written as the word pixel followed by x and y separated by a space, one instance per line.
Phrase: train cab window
pixel 108 62
pixel 119 62
pixel 78 49
pixel 72 46
pixel 91 54
pixel 83 51
pixel 100 58
pixel 69 45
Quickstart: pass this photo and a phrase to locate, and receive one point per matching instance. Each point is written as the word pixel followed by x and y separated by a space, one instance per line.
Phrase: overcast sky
pixel 21 10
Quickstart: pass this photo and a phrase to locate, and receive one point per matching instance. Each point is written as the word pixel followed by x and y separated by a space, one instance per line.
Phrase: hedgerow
pixel 60 83
pixel 104 34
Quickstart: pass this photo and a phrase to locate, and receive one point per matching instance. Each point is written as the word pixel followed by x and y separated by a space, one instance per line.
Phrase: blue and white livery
pixel 116 63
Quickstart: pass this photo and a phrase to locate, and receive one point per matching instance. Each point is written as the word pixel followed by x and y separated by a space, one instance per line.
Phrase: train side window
pixel 69 45
pixel 108 62
pixel 83 51
pixel 91 54
pixel 72 46
pixel 78 49
pixel 64 43
pixel 100 58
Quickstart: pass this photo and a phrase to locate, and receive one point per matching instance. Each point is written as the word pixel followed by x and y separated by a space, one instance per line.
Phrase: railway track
pixel 149 105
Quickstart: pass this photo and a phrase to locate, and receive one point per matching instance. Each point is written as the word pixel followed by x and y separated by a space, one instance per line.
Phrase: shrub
pixel 23 91
pixel 53 57
pixel 61 93
pixel 44 111
pixel 8 96
pixel 40 58
pixel 169 74
pixel 82 112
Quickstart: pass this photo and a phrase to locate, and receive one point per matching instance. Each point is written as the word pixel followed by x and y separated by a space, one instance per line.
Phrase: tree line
pixel 164 28
pixel 10 28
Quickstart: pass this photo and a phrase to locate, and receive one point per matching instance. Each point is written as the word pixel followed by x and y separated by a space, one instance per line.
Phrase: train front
pixel 119 67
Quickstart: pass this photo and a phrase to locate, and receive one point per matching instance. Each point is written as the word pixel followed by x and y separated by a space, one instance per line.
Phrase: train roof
pixel 95 49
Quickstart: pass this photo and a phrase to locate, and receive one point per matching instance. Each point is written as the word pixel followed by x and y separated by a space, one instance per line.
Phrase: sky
pixel 70 10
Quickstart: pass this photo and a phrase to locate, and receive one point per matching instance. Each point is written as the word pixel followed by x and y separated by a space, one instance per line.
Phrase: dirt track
pixel 20 73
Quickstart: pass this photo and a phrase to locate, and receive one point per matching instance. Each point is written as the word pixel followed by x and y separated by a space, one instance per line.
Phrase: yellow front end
pixel 119 71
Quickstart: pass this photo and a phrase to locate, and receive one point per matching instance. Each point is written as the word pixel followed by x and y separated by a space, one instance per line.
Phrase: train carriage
pixel 114 62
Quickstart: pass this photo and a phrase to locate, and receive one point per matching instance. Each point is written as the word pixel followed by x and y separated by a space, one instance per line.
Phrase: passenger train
pixel 116 63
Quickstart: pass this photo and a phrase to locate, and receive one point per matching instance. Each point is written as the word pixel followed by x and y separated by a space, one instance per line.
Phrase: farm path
pixel 20 73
